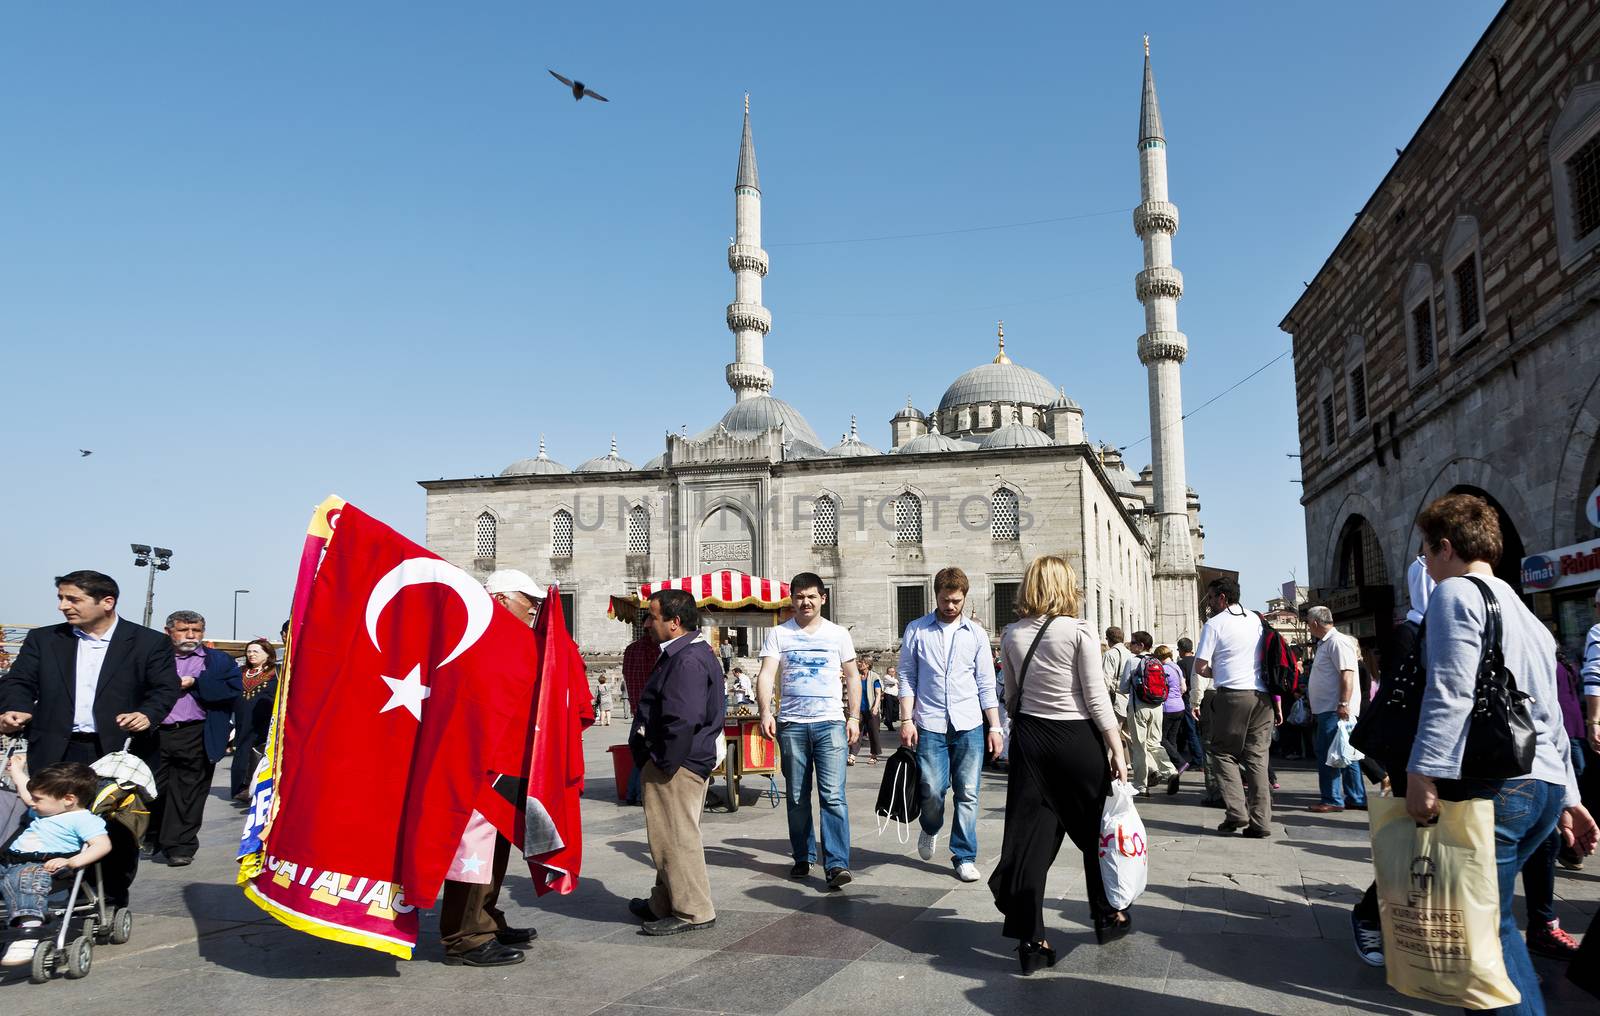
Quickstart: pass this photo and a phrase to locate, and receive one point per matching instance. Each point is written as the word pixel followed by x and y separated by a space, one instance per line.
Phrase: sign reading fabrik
pixel 1576 565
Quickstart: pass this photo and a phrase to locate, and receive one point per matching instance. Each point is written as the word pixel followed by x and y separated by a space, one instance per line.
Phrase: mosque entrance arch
pixel 727 541
pixel 1512 549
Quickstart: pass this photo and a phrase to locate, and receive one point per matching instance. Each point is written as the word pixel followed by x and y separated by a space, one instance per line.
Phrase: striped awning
pixel 730 590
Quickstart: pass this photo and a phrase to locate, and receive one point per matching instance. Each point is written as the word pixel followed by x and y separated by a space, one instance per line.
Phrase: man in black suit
pixel 84 687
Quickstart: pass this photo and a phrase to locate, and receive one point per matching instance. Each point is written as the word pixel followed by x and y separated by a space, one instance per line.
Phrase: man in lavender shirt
pixel 193 736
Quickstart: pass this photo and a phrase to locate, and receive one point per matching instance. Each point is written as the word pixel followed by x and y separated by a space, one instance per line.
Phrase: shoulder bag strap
pixel 1023 673
pixel 1493 647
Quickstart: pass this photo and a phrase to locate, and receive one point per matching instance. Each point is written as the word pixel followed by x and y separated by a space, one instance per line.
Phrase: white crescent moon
pixel 418 571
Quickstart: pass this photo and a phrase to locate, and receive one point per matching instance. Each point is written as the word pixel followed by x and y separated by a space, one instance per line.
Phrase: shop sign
pixel 1593 508
pixel 1576 565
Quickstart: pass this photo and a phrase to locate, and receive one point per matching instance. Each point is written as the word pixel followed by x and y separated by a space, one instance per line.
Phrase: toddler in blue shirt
pixel 61 834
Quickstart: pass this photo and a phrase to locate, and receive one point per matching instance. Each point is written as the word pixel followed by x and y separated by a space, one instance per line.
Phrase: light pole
pixel 236 593
pixel 158 559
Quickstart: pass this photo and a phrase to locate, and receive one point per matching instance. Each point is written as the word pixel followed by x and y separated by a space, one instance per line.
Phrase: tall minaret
pixel 748 320
pixel 1162 349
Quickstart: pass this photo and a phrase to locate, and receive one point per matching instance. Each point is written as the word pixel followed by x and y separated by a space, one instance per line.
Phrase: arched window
pixel 1355 372
pixel 1003 515
pixel 484 535
pixel 639 530
pixel 824 522
pixel 1463 272
pixel 561 533
pixel 908 518
pixel 1421 332
pixel 1575 166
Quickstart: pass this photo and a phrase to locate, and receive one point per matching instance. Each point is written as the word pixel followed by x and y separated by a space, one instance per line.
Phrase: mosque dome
pixel 851 445
pixel 1061 401
pixel 933 441
pixel 1015 435
pixel 909 413
pixel 610 462
pixel 1000 380
pixel 539 465
pixel 763 412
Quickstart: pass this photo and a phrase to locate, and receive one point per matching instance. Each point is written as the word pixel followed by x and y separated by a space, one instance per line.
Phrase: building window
pixel 1328 433
pixel 1003 515
pixel 1005 604
pixel 824 522
pixel 1574 152
pixel 561 533
pixel 1421 331
pixel 1422 334
pixel 1358 393
pixel 569 613
pixel 1469 311
pixel 639 530
pixel 910 603
pixel 908 519
pixel 1583 186
pixel 1464 277
pixel 484 536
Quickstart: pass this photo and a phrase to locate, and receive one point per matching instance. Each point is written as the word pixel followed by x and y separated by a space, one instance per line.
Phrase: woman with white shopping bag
pixel 1065 750
pixel 1489 729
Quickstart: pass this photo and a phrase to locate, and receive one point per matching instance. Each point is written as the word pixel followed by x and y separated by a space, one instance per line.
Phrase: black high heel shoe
pixel 1109 929
pixel 1033 955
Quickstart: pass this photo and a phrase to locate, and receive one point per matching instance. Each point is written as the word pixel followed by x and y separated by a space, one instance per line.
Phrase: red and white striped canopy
pixel 730 590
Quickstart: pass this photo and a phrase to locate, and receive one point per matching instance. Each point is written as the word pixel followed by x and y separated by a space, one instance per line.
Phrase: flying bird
pixel 579 90
pixel 84 452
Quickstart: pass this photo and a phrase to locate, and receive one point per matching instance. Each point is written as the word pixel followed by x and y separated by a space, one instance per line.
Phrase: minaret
pixel 748 320
pixel 1162 349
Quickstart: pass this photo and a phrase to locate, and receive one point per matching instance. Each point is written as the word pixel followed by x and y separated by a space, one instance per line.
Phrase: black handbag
pixel 1387 728
pixel 898 796
pixel 1501 738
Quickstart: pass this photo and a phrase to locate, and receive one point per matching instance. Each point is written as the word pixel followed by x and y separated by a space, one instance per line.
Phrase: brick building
pixel 1451 342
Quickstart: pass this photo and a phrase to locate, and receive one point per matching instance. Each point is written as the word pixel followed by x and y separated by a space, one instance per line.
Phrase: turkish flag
pixel 409 687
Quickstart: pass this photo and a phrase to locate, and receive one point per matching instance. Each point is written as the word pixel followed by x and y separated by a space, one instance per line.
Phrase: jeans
pixel 951 761
pixel 1191 738
pixel 1339 786
pixel 818 748
pixel 25 888
pixel 1539 882
pixel 1525 813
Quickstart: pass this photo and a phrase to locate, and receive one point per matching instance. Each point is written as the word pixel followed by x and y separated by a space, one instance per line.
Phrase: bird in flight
pixel 579 90
pixel 84 452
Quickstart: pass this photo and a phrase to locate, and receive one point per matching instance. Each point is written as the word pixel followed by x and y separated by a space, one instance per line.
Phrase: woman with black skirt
pixel 1065 750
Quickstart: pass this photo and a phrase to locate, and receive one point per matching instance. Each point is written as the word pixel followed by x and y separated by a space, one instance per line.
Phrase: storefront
pixel 1561 585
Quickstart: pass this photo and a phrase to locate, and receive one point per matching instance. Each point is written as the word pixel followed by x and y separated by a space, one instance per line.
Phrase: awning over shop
pixel 723 590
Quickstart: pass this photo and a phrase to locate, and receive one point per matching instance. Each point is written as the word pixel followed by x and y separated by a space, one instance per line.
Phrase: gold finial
pixel 1146 56
pixel 1001 356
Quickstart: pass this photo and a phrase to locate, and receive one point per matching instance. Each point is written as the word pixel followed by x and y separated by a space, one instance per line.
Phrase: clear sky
pixel 254 254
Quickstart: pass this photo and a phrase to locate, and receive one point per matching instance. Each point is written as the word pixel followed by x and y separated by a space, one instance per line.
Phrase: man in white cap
pixel 471 925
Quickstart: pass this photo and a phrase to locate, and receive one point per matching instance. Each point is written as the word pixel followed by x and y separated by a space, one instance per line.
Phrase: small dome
pixel 908 413
pixel 762 413
pixel 1121 482
pixel 539 465
pixel 1016 435
pixel 1062 402
pixel 610 462
pixel 851 445
pixel 933 441
pixel 656 463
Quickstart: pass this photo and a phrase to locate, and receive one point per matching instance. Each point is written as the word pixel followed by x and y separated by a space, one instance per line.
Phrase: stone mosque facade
pixel 1000 471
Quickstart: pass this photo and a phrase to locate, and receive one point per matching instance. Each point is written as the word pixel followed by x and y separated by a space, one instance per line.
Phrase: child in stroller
pixel 60 833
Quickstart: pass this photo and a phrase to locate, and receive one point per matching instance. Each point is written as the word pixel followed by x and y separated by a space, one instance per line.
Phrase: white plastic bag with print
pixel 1341 753
pixel 1124 856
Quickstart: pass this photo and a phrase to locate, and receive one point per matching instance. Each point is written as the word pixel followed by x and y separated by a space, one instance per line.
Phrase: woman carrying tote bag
pixel 1065 750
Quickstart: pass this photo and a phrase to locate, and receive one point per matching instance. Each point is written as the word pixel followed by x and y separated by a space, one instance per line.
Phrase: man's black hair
pixel 1228 587
pixel 95 585
pixel 676 603
pixel 807 580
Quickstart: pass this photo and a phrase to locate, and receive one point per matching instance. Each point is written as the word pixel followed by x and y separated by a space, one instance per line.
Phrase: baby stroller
pixel 125 790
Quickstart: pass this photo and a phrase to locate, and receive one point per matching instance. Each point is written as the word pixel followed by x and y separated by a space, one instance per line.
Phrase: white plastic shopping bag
pixel 1124 858
pixel 1341 753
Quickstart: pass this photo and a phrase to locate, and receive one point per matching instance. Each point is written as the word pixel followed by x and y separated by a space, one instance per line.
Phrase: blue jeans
pixel 951 761
pixel 1525 813
pixel 25 888
pixel 1339 786
pixel 807 748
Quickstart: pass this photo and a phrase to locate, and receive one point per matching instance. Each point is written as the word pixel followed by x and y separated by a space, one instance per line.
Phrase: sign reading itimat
pixel 1576 565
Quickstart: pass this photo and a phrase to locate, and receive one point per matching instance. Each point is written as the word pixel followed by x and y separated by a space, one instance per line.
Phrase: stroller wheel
pixel 44 962
pixel 121 925
pixel 80 954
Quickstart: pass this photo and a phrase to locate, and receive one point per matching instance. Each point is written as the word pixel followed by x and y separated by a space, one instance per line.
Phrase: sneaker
pixel 966 871
pixel 850 760
pixel 800 870
pixel 1369 941
pixel 1547 940
pixel 19 953
pixel 838 878
pixel 1175 783
pixel 925 843
pixel 1570 859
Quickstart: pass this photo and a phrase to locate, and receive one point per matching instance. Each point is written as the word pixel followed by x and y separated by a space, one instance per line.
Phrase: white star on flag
pixel 408 693
pixel 471 865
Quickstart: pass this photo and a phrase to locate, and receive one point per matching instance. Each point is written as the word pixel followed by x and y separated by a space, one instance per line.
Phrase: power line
pixel 1216 397
pixel 802 313
pixel 954 232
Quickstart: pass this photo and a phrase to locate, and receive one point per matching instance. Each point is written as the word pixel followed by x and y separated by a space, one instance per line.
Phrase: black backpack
pixel 898 796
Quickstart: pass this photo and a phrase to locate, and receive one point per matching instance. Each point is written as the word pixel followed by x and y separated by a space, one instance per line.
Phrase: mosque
pixel 998 472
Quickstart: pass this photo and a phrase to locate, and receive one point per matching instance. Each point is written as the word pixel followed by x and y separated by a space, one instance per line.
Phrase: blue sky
pixel 253 255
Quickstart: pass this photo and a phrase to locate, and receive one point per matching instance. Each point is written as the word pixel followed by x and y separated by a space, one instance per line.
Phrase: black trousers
pixel 1175 738
pixel 251 717
pixel 183 782
pixel 1058 783
pixel 122 864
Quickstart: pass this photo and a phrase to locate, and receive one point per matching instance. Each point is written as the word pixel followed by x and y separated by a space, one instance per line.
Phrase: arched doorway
pixel 1512 551
pixel 1360 559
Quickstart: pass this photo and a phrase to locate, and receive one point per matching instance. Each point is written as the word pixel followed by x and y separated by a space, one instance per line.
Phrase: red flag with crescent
pixel 411 689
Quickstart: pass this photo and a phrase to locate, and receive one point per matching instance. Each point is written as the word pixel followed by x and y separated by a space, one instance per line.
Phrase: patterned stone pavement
pixel 1228 926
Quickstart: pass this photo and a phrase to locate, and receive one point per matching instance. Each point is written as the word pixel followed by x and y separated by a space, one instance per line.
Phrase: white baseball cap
pixel 510 580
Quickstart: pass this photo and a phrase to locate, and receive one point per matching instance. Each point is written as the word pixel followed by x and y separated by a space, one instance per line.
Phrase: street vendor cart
pixel 727 599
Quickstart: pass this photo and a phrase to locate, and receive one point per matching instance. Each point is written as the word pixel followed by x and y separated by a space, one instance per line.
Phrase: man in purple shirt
pixel 193 736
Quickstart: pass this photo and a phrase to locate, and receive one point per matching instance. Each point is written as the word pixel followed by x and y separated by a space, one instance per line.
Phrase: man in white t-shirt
pixel 1333 696
pixel 1243 713
pixel 815 662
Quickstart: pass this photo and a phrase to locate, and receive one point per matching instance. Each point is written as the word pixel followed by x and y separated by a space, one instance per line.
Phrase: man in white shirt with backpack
pixel 1242 714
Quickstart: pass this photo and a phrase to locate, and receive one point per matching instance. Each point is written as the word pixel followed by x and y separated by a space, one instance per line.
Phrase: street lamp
pixel 236 593
pixel 158 559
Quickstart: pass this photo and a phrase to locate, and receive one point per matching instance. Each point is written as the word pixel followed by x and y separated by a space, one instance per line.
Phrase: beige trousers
pixel 672 807
pixel 1147 758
